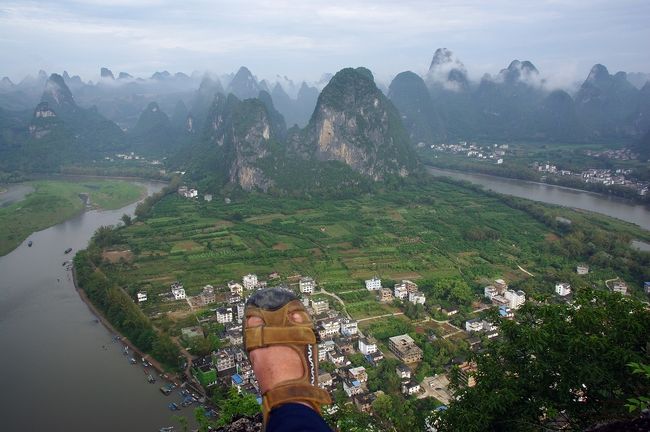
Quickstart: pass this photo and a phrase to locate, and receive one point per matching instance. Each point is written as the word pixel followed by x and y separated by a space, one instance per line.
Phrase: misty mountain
pixel 154 133
pixel 516 103
pixel 419 114
pixel 244 85
pixel 607 103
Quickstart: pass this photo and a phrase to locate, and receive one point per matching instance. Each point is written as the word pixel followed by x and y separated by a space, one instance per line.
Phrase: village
pixel 496 154
pixel 346 355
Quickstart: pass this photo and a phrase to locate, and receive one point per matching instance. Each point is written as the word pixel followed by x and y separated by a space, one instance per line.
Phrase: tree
pixel 236 404
pixel 556 361
pixel 126 219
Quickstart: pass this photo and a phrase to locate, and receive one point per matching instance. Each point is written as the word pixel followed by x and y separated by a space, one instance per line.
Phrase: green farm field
pixel 426 233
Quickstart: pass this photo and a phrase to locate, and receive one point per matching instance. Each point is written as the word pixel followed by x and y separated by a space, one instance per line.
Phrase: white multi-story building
pixel 329 327
pixel 235 288
pixel 400 291
pixel 490 291
pixel 307 285
pixel 373 284
pixel 249 281
pixel 178 291
pixel 224 315
pixel 366 347
pixel 417 297
pixel 240 310
pixel 474 325
pixel 320 306
pixel 515 298
pixel 142 296
pixel 349 327
pixel 325 347
pixel 358 373
pixel 562 289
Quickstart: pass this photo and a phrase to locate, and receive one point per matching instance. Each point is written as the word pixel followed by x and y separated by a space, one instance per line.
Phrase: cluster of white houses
pixel 339 337
pixel 500 295
pixel 406 290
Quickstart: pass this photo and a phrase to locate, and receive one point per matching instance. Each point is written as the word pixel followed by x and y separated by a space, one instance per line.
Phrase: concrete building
pixel 515 298
pixel 320 306
pixel 385 295
pixel 373 284
pixel 474 325
pixel 367 347
pixel 490 292
pixel 250 281
pixel 411 388
pixel 620 287
pixel 403 372
pixel 307 285
pixel 178 291
pixel 207 295
pixel 417 297
pixel 404 347
pixel 224 315
pixel 358 373
pixel 582 269
pixel 349 327
pixel 235 288
pixel 562 289
pixel 400 292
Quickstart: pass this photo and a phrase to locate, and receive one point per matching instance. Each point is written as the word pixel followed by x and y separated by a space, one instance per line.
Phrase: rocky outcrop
pixel 356 124
pixel 238 136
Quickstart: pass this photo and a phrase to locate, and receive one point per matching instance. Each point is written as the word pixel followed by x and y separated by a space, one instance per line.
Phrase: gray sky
pixel 303 39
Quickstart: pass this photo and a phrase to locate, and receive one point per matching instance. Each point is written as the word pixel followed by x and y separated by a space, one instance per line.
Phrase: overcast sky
pixel 303 39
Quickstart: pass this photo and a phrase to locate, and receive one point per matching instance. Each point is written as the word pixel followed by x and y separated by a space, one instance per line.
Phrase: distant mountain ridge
pixel 516 104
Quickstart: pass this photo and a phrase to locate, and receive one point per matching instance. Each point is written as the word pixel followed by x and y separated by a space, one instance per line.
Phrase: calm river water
pixel 60 369
pixel 610 206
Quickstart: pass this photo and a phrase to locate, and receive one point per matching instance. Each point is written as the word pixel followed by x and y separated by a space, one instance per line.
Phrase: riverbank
pixel 54 201
pixel 154 363
pixel 598 204
pixel 610 193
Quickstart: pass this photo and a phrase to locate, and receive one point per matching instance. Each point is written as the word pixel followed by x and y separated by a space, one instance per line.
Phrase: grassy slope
pixel 419 234
pixel 52 202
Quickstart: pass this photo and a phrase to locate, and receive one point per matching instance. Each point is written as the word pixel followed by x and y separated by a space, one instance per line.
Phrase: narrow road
pixel 381 316
pixel 525 271
pixel 323 291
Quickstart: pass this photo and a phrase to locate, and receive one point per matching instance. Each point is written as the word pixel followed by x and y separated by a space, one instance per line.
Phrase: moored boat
pixel 30 243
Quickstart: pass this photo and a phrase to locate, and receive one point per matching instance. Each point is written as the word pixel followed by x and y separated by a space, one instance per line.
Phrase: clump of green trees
pixel 557 365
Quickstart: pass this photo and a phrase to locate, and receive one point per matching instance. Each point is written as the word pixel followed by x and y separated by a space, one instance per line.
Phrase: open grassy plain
pixel 54 201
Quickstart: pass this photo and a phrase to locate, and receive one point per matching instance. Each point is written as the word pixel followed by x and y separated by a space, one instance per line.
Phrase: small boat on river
pixel 174 407
pixel 68 250
pixel 30 243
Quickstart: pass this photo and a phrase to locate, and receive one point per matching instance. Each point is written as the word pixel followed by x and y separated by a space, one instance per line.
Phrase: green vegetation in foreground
pixel 451 238
pixel 54 201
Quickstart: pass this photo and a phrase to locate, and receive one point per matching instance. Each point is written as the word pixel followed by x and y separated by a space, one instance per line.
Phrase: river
pixel 611 206
pixel 61 370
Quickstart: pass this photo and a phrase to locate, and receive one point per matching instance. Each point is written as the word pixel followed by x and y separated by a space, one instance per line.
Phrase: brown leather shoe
pixel 276 306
